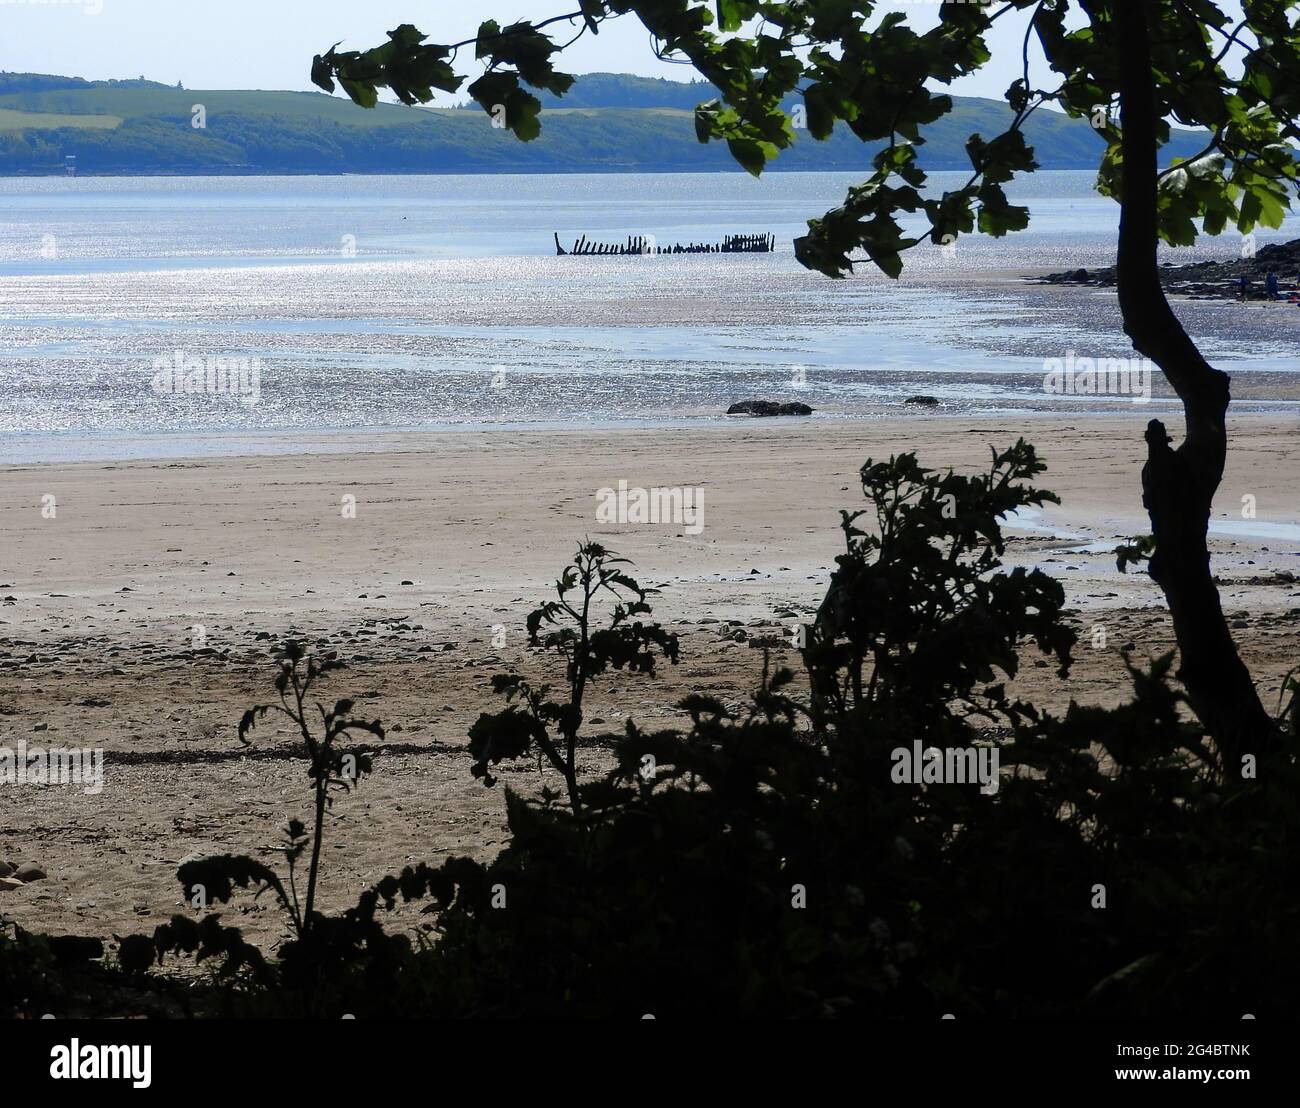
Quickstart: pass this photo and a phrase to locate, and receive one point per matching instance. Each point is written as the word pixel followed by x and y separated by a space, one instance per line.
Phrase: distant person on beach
pixel 1243 287
pixel 1270 285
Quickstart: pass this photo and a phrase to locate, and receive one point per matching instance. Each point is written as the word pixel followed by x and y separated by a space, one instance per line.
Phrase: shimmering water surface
pixel 438 302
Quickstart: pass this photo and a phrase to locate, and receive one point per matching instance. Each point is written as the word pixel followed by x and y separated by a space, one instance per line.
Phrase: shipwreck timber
pixel 646 244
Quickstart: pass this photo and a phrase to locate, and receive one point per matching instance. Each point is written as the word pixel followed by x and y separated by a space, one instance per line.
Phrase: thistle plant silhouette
pixel 215 878
pixel 330 768
pixel 593 585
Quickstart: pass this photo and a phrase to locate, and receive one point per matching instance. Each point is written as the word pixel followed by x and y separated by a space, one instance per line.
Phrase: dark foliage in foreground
pixel 768 862
pixel 592 585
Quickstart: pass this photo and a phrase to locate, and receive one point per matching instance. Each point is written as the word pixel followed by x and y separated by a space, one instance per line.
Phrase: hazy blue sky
pixel 269 44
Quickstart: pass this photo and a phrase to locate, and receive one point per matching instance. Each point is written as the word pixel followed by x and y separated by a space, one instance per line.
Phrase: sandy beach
pixel 141 617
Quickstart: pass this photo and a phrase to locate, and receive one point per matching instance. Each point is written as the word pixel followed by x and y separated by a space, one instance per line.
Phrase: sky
pixel 269 44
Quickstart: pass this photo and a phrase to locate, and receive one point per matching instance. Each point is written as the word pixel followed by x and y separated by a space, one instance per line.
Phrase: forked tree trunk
pixel 1179 484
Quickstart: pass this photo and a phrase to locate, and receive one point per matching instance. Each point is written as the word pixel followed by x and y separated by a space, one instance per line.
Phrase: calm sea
pixel 406 303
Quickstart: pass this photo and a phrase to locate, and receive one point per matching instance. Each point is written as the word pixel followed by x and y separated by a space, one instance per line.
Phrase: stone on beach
pixel 769 408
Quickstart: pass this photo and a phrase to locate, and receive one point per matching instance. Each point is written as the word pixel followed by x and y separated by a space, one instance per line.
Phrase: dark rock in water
pixel 768 408
pixel 923 401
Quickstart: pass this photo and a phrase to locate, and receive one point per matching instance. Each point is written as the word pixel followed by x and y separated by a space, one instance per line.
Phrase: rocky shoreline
pixel 1206 280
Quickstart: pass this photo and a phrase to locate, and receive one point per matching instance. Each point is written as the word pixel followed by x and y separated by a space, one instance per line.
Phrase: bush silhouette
pixel 769 862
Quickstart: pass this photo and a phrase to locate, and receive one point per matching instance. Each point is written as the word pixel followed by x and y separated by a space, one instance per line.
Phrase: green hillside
pixel 609 122
pixel 12 120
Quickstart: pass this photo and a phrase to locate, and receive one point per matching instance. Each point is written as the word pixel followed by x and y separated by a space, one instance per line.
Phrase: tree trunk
pixel 1179 484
